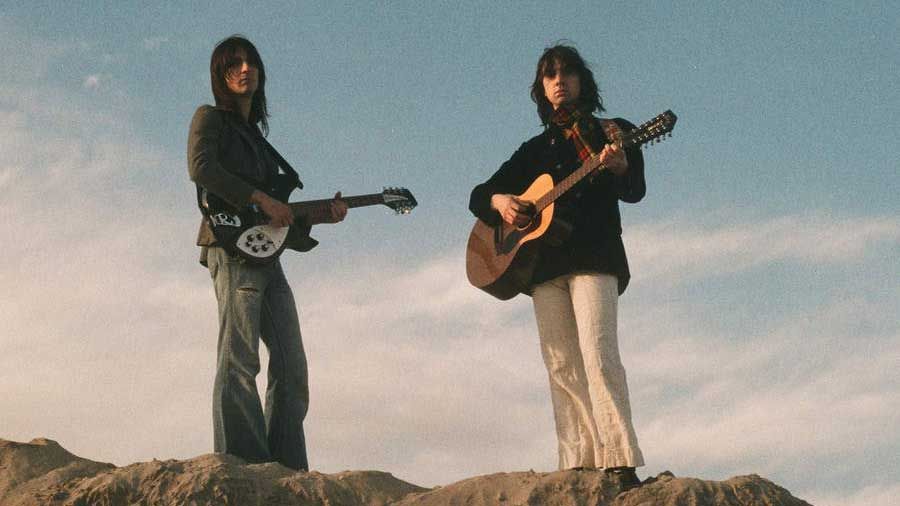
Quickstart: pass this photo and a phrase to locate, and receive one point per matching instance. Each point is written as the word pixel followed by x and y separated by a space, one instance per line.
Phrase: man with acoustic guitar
pixel 576 280
pixel 229 158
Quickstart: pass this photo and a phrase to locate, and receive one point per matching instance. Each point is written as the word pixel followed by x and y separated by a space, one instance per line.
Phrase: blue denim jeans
pixel 256 302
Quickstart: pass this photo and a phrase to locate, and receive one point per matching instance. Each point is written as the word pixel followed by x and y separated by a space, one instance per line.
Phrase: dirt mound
pixel 41 472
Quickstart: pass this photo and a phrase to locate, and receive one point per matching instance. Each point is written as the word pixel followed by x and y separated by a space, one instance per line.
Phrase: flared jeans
pixel 577 323
pixel 256 302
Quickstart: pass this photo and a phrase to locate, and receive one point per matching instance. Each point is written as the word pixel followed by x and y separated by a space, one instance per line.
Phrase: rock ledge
pixel 42 472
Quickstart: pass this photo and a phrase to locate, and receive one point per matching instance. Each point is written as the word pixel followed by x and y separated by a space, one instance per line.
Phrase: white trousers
pixel 576 318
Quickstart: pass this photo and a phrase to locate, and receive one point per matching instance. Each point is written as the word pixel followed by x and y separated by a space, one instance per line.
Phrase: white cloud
pixel 6 176
pixel 677 250
pixel 416 337
pixel 810 399
pixel 735 421
pixel 87 339
pixel 92 82
pixel 738 400
pixel 875 495
pixel 98 81
pixel 154 43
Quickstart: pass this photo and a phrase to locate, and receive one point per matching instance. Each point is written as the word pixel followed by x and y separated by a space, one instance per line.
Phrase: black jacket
pixel 591 206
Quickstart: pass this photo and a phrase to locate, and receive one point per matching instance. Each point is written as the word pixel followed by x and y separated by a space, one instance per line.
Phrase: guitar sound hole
pixel 528 226
pixel 531 211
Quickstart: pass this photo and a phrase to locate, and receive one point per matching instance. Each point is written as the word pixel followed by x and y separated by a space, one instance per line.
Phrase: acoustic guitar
pixel 500 259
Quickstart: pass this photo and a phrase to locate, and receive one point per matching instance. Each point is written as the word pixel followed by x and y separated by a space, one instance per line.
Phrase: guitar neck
pixel 571 180
pixel 308 206
pixel 650 131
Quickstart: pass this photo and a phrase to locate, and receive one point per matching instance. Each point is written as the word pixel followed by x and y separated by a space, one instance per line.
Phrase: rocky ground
pixel 42 472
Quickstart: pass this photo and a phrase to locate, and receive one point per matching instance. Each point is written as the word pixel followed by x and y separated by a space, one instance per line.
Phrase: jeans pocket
pixel 216 256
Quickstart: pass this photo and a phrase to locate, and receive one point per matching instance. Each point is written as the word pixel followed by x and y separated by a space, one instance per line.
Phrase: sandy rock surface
pixel 42 472
pixel 595 488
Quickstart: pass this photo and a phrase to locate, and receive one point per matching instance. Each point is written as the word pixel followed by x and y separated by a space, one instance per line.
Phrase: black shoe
pixel 626 477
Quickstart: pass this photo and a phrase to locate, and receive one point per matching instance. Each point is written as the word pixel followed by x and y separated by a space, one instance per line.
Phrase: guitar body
pixel 500 260
pixel 245 232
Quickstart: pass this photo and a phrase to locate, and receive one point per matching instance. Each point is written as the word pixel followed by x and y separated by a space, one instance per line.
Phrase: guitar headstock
pixel 400 200
pixel 652 131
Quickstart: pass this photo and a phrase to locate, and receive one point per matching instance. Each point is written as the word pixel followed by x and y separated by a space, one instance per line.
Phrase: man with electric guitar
pixel 562 245
pixel 242 187
pixel 232 164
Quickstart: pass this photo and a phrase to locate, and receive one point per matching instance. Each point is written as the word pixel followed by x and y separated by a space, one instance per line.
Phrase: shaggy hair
pixel 562 58
pixel 223 57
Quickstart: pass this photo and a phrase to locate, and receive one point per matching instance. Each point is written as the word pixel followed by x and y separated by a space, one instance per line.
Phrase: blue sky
pixel 760 331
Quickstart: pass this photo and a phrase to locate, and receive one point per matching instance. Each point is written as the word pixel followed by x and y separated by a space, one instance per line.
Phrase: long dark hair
pixel 566 59
pixel 222 57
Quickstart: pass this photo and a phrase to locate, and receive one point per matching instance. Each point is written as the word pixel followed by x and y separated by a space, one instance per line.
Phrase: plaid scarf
pixel 573 123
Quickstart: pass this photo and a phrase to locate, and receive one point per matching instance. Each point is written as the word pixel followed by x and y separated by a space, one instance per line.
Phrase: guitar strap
pixel 612 131
pixel 285 166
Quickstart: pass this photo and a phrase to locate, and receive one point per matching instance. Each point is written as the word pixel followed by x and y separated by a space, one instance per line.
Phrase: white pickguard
pixel 262 241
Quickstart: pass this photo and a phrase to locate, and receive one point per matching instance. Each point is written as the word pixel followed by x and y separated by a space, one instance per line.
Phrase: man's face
pixel 561 87
pixel 242 77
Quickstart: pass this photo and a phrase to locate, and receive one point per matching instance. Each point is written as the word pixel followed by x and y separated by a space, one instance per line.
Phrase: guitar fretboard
pixel 372 199
pixel 586 168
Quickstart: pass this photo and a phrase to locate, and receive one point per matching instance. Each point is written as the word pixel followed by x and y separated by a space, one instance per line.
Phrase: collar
pixel 565 116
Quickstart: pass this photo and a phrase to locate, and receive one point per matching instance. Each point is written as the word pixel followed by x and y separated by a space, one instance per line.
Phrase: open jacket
pixel 591 206
pixel 229 158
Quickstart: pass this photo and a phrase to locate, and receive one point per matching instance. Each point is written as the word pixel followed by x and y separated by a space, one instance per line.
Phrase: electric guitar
pixel 500 260
pixel 246 231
